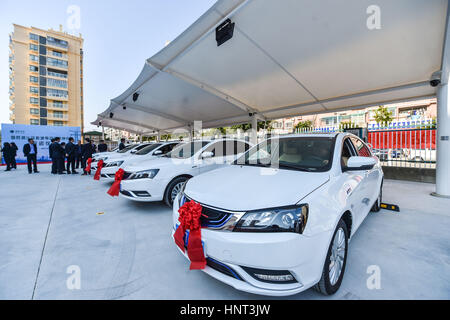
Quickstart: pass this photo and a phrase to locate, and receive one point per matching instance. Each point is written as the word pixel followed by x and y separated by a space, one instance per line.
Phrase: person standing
pixel 30 151
pixel 14 150
pixel 51 150
pixel 102 146
pixel 58 155
pixel 71 155
pixel 87 153
pixel 122 144
pixel 6 150
pixel 78 154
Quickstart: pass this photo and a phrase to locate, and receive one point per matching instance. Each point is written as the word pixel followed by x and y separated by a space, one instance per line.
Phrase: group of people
pixel 59 152
pixel 9 152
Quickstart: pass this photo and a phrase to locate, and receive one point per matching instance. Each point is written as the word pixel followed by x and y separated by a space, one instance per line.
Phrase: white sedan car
pixel 130 149
pixel 278 221
pixel 151 151
pixel 162 178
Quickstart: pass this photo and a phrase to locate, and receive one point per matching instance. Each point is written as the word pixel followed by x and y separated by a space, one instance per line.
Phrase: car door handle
pixel 193 167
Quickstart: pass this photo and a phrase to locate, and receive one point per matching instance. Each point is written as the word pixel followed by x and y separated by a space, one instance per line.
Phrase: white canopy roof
pixel 290 57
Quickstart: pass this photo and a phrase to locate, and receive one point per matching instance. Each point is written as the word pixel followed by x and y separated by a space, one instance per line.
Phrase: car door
pixel 353 184
pixel 372 176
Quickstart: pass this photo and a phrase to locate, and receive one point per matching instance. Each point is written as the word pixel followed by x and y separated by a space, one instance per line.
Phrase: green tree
pixel 247 126
pixel 383 115
pixel 304 124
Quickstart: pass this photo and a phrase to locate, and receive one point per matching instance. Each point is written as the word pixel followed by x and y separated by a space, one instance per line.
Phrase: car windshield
pixel 187 150
pixel 312 154
pixel 148 149
pixel 127 148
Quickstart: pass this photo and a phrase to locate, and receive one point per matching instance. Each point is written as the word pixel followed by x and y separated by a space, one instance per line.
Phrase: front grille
pixel 222 268
pixel 211 218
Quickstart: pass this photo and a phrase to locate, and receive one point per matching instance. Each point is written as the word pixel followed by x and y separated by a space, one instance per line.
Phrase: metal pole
pixel 443 122
pixel 254 137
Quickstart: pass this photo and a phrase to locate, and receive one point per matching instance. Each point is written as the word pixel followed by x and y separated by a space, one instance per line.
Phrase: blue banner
pixel 20 133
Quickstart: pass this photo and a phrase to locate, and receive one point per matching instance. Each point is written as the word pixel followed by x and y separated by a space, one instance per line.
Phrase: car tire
pixel 335 261
pixel 174 184
pixel 377 205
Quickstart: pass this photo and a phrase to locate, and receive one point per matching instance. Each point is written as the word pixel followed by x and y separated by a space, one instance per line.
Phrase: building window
pixel 34 79
pixel 34 69
pixel 34 100
pixel 34 37
pixel 58 114
pixel 57 63
pixel 57 42
pixel 56 73
pixel 58 123
pixel 34 111
pixel 33 47
pixel 56 83
pixel 57 93
pixel 34 90
pixel 34 58
pixel 34 122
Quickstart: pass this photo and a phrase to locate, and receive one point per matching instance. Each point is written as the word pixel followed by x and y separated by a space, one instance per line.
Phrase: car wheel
pixel 334 268
pixel 377 205
pixel 173 189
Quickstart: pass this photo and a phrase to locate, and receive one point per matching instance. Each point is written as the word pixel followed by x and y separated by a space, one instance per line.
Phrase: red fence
pixel 403 139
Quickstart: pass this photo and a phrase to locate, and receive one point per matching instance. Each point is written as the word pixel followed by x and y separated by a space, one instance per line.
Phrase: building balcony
pixel 12 117
pixel 57 98
pixel 57 46
pixel 54 117
pixel 56 106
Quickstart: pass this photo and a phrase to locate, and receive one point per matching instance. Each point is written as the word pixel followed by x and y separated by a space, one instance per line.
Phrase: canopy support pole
pixel 443 122
pixel 254 137
pixel 158 138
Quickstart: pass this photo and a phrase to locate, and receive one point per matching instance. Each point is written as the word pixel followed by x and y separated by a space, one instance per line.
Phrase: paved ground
pixel 48 223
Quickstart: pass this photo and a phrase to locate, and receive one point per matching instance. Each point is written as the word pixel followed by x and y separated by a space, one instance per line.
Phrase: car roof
pixel 299 135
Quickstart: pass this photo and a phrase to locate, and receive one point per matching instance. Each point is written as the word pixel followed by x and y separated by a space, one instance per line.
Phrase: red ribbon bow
pixel 189 218
pixel 88 167
pixel 99 170
pixel 115 188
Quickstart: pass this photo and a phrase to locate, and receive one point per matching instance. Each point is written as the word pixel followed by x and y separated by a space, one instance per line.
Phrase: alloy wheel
pixel 337 256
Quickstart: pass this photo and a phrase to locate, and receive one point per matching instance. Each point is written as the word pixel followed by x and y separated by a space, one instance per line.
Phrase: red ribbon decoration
pixel 88 167
pixel 115 188
pixel 189 218
pixel 99 170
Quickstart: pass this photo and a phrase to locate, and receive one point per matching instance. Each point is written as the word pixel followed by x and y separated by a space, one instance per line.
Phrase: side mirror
pixel 207 154
pixel 133 151
pixel 360 163
pixel 157 152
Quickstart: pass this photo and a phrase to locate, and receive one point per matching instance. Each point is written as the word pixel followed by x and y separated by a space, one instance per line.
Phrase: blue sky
pixel 119 35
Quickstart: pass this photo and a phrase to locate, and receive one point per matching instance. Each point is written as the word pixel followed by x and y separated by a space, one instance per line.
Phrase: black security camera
pixel 435 82
pixel 135 96
pixel 436 79
pixel 111 115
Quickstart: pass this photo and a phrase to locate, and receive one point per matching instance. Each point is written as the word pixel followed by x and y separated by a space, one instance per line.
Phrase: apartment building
pixel 46 77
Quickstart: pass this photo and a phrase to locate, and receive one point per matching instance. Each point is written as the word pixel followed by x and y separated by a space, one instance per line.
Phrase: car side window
pixel 167 148
pixel 240 147
pixel 347 152
pixel 361 148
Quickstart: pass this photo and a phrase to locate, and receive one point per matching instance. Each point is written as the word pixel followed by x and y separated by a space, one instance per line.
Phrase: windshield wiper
pixel 292 166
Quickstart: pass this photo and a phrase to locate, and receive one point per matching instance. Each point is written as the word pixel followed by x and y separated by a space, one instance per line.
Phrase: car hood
pixel 148 163
pixel 242 188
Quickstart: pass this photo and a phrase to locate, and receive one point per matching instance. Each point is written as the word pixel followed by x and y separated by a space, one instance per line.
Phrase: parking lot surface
pixel 52 225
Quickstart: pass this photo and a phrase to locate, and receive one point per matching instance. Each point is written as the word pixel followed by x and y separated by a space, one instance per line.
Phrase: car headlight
pixel 146 174
pixel 285 219
pixel 181 196
pixel 114 164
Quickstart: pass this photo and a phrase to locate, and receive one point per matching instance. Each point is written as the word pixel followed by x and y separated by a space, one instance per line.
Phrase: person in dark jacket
pixel 51 149
pixel 6 150
pixel 88 151
pixel 14 150
pixel 30 151
pixel 102 146
pixel 78 154
pixel 122 144
pixel 58 155
pixel 71 155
